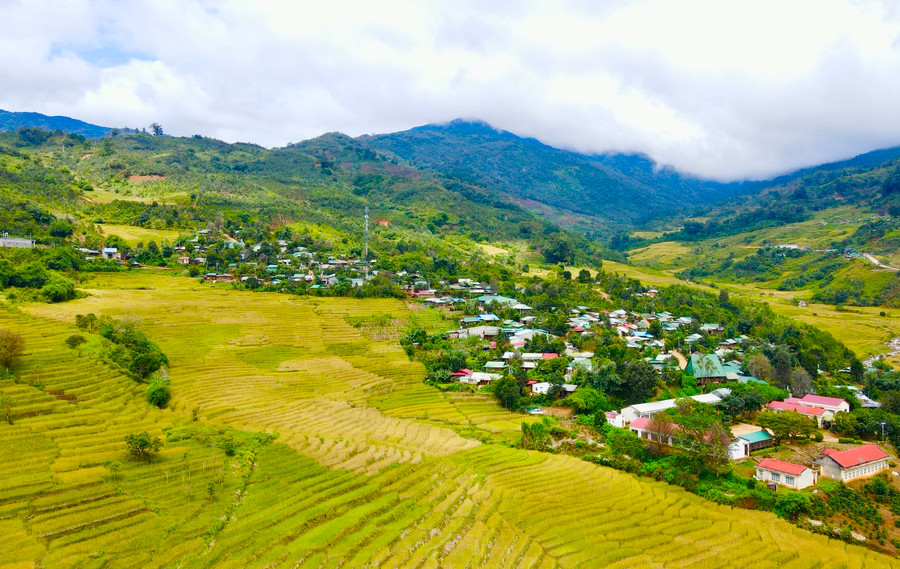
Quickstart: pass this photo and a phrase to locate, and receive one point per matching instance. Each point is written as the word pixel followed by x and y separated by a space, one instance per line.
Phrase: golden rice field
pixel 371 467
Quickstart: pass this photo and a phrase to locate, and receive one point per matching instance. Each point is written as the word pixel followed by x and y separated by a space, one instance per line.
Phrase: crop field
pixel 371 467
pixel 133 234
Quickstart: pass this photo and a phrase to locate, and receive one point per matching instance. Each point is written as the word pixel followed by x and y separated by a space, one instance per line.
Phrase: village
pixel 502 332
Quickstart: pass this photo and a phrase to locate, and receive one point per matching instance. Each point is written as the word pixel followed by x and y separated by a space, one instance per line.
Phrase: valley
pixel 369 467
pixel 400 351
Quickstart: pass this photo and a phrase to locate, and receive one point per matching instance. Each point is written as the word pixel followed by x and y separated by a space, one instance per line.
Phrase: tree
pixel 801 383
pixel 638 381
pixel 586 400
pixel 12 347
pixel 536 436
pixel 156 129
pixel 656 329
pixel 783 368
pixel 508 391
pixel 559 249
pixel 857 371
pixel 584 276
pixel 715 453
pixel 662 432
pixel 61 229
pixel 158 393
pixel 75 340
pixel 623 442
pixel 142 445
pixel 760 367
pixel 787 424
pixel 145 364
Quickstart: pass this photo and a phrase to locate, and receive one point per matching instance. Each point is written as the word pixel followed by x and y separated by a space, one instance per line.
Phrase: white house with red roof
pixel 853 463
pixel 789 474
pixel 816 413
pixel 833 404
pixel 646 429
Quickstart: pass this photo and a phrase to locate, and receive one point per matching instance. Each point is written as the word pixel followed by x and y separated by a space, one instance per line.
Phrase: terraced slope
pixel 371 467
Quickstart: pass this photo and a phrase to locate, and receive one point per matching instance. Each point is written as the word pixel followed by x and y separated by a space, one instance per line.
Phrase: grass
pixel 133 234
pixel 371 467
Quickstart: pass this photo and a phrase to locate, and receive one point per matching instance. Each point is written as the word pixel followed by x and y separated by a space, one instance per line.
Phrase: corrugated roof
pixel 809 398
pixel 856 456
pixel 757 437
pixel 781 466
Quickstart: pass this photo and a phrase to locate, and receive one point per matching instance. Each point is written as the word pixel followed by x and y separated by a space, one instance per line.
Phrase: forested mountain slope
pixel 618 188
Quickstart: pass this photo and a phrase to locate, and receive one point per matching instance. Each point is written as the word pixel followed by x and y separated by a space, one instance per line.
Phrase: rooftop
pixel 781 466
pixel 855 456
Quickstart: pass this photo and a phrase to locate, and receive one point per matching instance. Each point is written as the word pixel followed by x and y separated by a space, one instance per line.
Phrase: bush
pixel 75 340
pixel 158 393
pixel 142 445
pixel 818 437
pixel 58 289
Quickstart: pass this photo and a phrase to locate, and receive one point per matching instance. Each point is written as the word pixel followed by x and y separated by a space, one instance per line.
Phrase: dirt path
pixel 877 263
pixel 682 361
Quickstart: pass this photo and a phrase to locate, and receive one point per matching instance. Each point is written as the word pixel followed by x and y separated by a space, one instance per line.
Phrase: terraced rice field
pixel 371 467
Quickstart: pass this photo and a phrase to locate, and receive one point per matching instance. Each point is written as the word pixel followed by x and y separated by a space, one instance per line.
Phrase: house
pixel 110 253
pixel 659 432
pixel 711 328
pixel 16 242
pixel 479 378
pixel 789 474
pixel 744 444
pixel 647 410
pixel 812 412
pixel 543 388
pixel 854 463
pixel 833 404
pixel 614 419
pixel 476 332
pixel 707 368
pixel 495 298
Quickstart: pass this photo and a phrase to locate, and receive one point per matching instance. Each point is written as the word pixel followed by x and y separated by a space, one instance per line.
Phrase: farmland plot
pixel 371 467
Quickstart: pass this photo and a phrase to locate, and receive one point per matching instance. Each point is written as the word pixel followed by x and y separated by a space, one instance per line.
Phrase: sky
pixel 716 88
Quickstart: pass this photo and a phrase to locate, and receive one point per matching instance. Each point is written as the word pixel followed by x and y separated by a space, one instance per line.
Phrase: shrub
pixel 75 340
pixel 142 445
pixel 158 393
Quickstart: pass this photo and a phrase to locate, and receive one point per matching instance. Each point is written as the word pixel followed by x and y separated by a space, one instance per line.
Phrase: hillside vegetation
pixel 830 233
pixel 370 465
pixel 597 190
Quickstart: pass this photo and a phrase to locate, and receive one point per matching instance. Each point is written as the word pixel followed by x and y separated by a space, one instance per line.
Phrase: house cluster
pixel 820 408
pixel 846 465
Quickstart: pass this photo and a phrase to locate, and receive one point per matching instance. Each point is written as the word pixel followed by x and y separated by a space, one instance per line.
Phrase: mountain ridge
pixel 10 120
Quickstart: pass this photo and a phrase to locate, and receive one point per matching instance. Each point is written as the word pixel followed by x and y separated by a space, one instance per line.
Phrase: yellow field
pixel 133 234
pixel 371 468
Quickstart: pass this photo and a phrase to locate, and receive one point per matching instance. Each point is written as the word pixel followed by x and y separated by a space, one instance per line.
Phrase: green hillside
pixel 819 231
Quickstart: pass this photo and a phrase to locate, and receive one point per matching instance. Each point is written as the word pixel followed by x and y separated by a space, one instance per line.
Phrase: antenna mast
pixel 366 256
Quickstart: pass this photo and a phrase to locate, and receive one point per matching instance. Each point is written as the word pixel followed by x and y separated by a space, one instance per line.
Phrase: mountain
pixel 14 121
pixel 615 187
pixel 327 182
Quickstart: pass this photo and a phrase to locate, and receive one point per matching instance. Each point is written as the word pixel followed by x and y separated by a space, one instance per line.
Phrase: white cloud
pixel 720 88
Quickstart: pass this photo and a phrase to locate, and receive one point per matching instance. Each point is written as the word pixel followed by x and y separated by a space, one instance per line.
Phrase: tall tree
pixel 156 129
pixel 801 383
pixel 760 367
pixel 783 367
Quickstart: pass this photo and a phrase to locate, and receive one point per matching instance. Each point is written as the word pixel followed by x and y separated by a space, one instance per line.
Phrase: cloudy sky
pixel 718 88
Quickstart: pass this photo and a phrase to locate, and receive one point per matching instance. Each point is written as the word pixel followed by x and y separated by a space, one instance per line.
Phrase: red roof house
pixel 853 463
pixel 789 474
